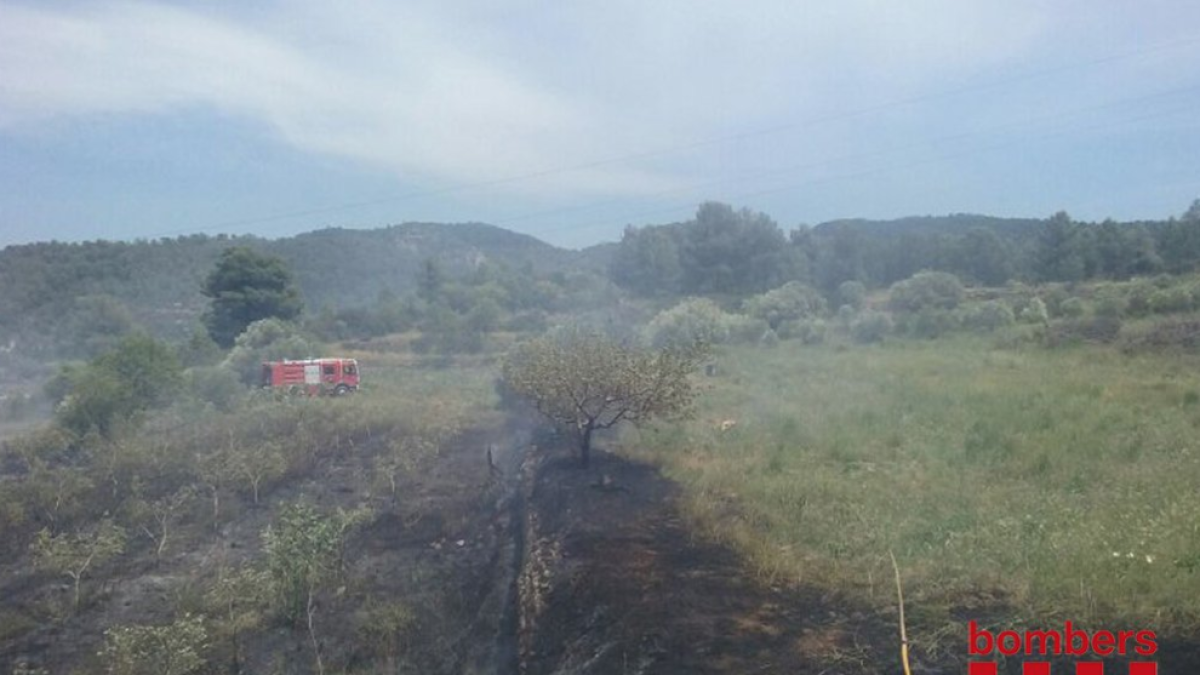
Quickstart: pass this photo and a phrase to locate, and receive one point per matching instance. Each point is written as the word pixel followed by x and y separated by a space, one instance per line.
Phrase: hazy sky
pixel 568 120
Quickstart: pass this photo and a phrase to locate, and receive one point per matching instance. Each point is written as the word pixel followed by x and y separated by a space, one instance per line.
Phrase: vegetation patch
pixel 1025 484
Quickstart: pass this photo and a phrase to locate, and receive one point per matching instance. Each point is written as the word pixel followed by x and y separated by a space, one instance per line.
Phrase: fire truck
pixel 312 377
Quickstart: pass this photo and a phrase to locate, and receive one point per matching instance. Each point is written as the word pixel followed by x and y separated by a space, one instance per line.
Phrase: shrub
pixel 266 340
pixel 810 332
pixel 1168 334
pixel 871 326
pixel 1109 303
pixel 1072 307
pixel 1138 303
pixel 744 329
pixel 928 323
pixel 789 302
pixel 1101 329
pixel 852 294
pixel 696 320
pixel 140 373
pixel 174 649
pixel 1035 312
pixel 1170 300
pixel 302 548
pixel 989 316
pixel 218 387
pixel 1054 297
pixel 845 316
pixel 926 290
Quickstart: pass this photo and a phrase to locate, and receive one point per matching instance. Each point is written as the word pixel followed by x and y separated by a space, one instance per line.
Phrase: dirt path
pixel 615 584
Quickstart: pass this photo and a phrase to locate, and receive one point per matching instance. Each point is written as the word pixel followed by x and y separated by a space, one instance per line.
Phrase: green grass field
pixel 1023 486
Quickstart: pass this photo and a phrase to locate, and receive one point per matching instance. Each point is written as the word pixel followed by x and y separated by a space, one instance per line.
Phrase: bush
pixel 266 340
pixel 852 294
pixel 789 302
pixel 173 649
pixel 1035 312
pixel 140 373
pixel 810 332
pixel 926 290
pixel 1109 303
pixel 744 329
pixel 1100 329
pixel 1169 334
pixel 1138 303
pixel 845 317
pixel 989 316
pixel 871 326
pixel 1054 297
pixel 696 320
pixel 1071 308
pixel 1170 301
pixel 929 323
pixel 216 386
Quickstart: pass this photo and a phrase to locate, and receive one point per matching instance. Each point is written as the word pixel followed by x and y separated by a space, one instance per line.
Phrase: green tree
pixel 585 381
pixel 647 261
pixel 985 257
pixel 303 550
pixel 1061 254
pixel 728 251
pixel 246 287
pixel 430 281
pixel 140 373
pixel 75 554
pixel 239 599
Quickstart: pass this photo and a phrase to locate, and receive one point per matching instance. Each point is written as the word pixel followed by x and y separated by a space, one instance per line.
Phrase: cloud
pixel 471 92
pixel 411 101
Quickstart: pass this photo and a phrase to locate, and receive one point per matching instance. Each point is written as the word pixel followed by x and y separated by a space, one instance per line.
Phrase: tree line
pixel 723 251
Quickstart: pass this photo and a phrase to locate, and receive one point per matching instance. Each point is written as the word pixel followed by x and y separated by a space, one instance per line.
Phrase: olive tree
pixel 586 381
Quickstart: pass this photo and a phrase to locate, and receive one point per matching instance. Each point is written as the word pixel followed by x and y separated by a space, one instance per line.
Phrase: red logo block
pixel 1043 668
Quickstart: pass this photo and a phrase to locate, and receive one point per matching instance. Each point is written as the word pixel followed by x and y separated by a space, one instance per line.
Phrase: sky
pixel 570 120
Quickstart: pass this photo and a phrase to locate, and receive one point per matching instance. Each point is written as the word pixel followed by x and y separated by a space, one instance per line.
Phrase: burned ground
pixel 616 583
pixel 537 568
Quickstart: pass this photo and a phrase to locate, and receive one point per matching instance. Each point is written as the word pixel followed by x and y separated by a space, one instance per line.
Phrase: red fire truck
pixel 314 377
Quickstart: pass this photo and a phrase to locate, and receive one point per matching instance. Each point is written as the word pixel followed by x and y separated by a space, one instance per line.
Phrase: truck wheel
pixel 341 390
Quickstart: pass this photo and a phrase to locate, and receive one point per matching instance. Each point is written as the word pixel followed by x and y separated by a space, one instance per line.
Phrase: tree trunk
pixel 585 445
pixel 312 634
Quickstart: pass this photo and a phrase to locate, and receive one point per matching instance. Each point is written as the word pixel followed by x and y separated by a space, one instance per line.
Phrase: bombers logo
pixel 1069 641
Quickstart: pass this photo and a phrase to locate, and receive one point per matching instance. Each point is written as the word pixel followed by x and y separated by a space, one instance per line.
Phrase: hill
pixel 54 294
